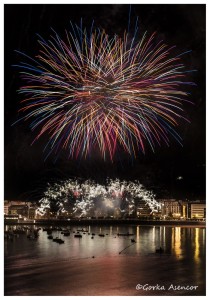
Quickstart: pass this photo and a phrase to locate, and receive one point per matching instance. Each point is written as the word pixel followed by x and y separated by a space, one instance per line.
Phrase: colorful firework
pixel 88 198
pixel 94 93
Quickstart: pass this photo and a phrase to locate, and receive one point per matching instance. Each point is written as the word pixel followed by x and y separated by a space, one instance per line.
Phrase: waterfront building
pixel 171 208
pixel 6 207
pixel 32 212
pixel 142 209
pixel 196 210
pixel 21 210
pixel 184 209
pixel 11 218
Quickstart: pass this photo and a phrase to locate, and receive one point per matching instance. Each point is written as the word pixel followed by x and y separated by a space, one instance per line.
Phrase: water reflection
pixel 137 234
pixel 153 234
pixel 110 231
pixel 196 256
pixel 159 235
pixel 176 241
pixel 183 260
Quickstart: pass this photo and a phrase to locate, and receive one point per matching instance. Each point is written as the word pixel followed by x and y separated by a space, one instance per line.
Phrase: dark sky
pixel 26 172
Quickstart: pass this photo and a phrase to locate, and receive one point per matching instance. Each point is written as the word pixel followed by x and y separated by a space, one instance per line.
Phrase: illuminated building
pixel 171 208
pixel 142 209
pixel 196 210
pixel 6 207
pixel 11 218
pixel 184 209
pixel 32 213
pixel 18 210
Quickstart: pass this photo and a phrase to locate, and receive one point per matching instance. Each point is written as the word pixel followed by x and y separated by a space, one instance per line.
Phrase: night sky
pixel 26 172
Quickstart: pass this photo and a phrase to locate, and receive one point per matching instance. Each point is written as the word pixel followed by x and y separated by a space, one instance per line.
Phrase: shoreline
pixel 84 222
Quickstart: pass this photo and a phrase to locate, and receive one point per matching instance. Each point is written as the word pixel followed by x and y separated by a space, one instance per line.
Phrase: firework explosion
pixel 94 93
pixel 91 199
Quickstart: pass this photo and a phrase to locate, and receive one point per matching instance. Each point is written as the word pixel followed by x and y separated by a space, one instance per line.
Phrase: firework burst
pixel 90 198
pixel 94 93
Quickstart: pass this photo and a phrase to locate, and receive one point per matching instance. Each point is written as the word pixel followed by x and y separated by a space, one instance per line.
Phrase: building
pixel 184 209
pixel 142 209
pixel 6 207
pixel 196 210
pixel 171 208
pixel 32 213
pixel 11 218
pixel 21 210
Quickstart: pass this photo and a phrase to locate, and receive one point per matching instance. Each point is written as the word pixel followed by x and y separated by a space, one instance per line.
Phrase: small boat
pixel 101 234
pixel 92 237
pixel 125 234
pixel 60 241
pixel 160 250
pixel 93 234
pixel 56 239
pixel 78 236
pixel 133 241
pixel 83 230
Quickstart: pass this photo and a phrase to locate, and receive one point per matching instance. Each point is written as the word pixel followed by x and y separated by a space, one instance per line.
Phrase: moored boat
pixel 78 236
pixel 125 234
pixel 58 240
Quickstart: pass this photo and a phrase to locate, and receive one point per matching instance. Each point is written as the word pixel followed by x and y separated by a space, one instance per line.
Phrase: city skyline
pixel 120 210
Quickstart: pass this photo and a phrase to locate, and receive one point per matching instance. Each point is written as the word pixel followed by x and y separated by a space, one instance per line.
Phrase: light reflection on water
pixel 183 259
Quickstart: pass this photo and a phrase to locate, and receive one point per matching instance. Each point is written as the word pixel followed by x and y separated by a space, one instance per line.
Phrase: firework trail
pixel 87 198
pixel 90 92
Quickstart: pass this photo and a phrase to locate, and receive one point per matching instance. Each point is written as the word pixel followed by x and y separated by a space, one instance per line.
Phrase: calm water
pixel 100 266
